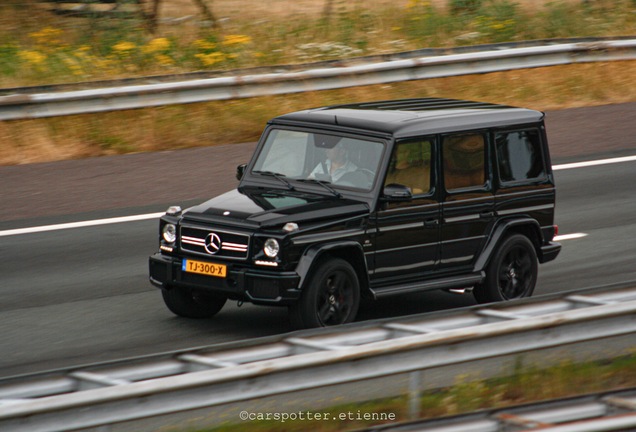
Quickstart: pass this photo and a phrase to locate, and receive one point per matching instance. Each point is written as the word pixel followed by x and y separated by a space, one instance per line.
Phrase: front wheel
pixel 191 303
pixel 332 296
pixel 512 273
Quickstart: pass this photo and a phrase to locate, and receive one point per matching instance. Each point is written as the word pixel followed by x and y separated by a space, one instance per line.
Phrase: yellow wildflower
pixel 75 67
pixel 412 4
pixel 124 47
pixel 210 59
pixel 157 45
pixel 236 40
pixel 47 36
pixel 204 45
pixel 33 57
pixel 164 60
pixel 103 64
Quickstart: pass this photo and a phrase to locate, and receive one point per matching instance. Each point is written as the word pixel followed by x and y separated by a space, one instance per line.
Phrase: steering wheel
pixel 360 178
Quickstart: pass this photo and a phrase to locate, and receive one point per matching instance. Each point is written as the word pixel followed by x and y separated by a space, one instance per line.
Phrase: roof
pixel 408 117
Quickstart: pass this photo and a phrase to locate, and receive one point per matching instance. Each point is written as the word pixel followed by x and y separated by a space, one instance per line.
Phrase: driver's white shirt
pixel 339 172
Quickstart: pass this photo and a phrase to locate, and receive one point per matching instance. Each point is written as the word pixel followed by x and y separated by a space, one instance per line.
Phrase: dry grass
pixel 258 9
pixel 214 123
pixel 471 394
pixel 232 121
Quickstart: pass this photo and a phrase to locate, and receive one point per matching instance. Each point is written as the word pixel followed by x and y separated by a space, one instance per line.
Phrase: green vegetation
pixel 49 49
pixel 39 48
pixel 242 120
pixel 468 395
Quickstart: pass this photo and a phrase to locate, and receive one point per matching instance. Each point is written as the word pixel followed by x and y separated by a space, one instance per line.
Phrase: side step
pixel 452 282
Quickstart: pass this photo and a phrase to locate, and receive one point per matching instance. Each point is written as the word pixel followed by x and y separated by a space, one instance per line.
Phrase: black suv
pixel 369 200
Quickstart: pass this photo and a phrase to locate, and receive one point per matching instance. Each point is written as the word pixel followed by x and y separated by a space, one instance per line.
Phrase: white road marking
pixel 593 163
pixel 81 224
pixel 134 218
pixel 569 236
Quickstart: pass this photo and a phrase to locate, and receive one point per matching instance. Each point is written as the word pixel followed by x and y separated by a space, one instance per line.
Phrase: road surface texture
pixel 78 296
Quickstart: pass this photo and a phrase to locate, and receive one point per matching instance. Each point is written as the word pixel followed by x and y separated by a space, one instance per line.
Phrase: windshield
pixel 315 157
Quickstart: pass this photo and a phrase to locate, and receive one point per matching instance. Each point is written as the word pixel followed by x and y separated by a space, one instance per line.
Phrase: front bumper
pixel 245 284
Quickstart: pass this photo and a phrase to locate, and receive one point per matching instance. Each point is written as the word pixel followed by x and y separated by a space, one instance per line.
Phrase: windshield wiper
pixel 277 176
pixel 324 184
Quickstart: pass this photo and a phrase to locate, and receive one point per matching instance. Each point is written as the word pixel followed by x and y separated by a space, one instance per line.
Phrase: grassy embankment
pixel 469 395
pixel 49 49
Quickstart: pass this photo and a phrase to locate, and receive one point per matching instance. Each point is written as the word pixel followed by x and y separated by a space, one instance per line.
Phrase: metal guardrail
pixel 613 411
pixel 322 64
pixel 113 393
pixel 38 105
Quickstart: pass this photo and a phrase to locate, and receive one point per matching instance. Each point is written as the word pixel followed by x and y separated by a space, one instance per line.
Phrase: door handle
pixel 430 223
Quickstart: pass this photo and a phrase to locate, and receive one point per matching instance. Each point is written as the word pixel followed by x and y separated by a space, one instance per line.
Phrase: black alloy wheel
pixel 512 272
pixel 331 298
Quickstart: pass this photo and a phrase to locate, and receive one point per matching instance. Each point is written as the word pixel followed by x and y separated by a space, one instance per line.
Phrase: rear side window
pixel 519 156
pixel 464 161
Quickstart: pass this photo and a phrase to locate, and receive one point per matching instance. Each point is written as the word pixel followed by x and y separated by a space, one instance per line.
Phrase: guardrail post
pixel 415 378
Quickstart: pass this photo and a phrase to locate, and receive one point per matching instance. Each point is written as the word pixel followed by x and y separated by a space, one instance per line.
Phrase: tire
pixel 332 296
pixel 512 272
pixel 187 303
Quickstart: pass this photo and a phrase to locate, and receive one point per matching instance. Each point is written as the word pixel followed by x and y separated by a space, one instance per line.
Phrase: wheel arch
pixel 349 251
pixel 527 227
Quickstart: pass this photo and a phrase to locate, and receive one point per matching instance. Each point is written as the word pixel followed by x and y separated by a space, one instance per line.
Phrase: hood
pixel 261 208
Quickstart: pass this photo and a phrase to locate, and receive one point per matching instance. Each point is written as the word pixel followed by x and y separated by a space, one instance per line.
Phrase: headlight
pixel 271 248
pixel 169 233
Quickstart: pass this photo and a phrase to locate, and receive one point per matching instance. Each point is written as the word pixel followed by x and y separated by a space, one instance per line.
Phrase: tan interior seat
pixel 410 169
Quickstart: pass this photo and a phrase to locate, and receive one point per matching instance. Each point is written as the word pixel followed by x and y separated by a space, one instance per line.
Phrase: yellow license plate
pixel 204 268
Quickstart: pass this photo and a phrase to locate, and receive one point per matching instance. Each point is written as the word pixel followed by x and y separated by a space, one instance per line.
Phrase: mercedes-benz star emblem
pixel 212 243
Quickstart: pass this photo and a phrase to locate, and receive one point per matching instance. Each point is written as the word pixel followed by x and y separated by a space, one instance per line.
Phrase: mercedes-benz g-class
pixel 369 200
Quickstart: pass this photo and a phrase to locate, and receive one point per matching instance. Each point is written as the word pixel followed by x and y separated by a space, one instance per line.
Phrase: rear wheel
pixel 512 272
pixel 190 303
pixel 332 296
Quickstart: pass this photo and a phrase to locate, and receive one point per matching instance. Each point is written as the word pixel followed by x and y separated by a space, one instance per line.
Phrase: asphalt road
pixel 77 296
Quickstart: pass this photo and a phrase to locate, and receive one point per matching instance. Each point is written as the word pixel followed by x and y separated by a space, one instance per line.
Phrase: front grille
pixel 214 242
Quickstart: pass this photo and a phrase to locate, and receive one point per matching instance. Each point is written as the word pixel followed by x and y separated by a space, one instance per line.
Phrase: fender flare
pixel 313 254
pixel 499 232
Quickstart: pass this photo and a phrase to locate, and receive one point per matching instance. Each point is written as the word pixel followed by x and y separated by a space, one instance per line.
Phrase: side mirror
pixel 396 192
pixel 240 171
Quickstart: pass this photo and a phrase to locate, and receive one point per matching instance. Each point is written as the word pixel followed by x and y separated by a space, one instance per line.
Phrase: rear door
pixel 526 187
pixel 467 199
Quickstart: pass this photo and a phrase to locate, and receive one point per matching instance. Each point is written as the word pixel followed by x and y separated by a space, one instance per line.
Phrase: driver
pixel 336 165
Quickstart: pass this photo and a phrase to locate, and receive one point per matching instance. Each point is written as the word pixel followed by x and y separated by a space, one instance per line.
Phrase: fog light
pixel 271 248
pixel 169 233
